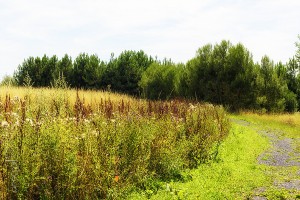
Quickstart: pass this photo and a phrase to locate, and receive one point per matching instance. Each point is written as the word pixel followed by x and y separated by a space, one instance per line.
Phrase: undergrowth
pixel 67 144
pixel 234 174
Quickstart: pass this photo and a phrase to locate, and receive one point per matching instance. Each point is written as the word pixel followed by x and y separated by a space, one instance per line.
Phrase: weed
pixel 67 144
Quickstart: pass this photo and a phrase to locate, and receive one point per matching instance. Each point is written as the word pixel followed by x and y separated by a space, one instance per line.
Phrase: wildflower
pixel 192 107
pixel 15 100
pixel 39 123
pixel 17 123
pixel 71 119
pixel 15 114
pixel 29 121
pixel 168 187
pixel 95 133
pixel 116 179
pixel 4 124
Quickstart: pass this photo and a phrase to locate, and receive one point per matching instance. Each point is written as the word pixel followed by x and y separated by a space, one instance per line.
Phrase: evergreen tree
pixel 65 69
pixel 159 81
pixel 124 73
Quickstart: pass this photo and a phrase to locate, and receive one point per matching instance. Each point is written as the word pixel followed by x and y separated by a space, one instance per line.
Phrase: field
pixel 69 144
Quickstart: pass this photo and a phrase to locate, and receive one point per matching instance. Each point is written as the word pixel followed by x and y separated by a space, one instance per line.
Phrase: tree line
pixel 223 73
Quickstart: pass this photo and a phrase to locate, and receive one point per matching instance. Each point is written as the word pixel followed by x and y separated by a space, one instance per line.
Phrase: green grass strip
pixel 234 175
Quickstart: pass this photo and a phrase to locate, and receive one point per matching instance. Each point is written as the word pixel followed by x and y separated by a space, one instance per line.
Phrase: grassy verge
pixel 284 126
pixel 234 175
pixel 288 124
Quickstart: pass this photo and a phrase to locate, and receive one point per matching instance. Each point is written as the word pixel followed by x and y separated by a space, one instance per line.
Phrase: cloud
pixel 166 28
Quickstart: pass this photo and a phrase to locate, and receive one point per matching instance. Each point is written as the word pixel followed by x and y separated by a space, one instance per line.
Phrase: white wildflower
pixel 39 123
pixel 71 119
pixel 192 107
pixel 4 124
pixel 86 121
pixel 15 100
pixel 30 121
pixel 15 114
pixel 95 133
pixel 17 123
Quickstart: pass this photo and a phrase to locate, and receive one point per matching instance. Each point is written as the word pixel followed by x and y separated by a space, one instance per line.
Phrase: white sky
pixel 166 28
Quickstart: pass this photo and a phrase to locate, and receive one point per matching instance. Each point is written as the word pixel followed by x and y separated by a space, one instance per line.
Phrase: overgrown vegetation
pixel 222 74
pixel 236 172
pixel 68 144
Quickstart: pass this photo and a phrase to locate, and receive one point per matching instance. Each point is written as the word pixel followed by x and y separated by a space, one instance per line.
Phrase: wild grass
pixel 288 123
pixel 235 173
pixel 69 144
pixel 91 97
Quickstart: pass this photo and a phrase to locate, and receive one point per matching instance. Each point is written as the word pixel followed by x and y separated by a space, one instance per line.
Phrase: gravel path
pixel 282 154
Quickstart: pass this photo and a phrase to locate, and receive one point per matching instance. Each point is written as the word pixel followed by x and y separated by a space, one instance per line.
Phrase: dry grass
pixel 90 96
pixel 287 119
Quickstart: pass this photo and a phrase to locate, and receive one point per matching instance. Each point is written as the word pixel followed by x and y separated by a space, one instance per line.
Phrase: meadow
pixel 73 144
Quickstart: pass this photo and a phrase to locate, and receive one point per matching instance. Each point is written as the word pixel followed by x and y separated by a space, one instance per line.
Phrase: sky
pixel 163 28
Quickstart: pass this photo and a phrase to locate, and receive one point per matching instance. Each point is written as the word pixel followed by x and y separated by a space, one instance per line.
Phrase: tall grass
pixel 288 123
pixel 69 144
pixel 287 119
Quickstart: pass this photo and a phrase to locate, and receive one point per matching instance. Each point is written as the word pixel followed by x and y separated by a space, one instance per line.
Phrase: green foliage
pixel 88 71
pixel 197 73
pixel 40 70
pixel 27 81
pixel 8 81
pixel 273 88
pixel 298 50
pixel 159 81
pixel 221 74
pixel 65 67
pixel 60 82
pixel 233 175
pixel 124 73
pixel 292 78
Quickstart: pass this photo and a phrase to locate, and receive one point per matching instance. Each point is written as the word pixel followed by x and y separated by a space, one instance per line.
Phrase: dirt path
pixel 283 157
pixel 282 153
